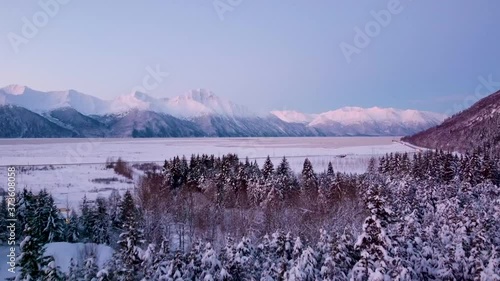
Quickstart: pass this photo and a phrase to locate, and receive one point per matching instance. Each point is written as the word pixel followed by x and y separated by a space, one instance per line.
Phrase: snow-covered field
pixel 70 168
pixel 78 151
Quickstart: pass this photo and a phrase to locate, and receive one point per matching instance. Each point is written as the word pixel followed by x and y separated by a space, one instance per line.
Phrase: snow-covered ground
pixel 62 252
pixel 72 168
pixel 69 183
pixel 78 151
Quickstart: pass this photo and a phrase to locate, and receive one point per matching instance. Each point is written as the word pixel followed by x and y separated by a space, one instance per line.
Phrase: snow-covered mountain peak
pixel 358 115
pixel 39 101
pixel 194 103
pixel 14 89
pixel 292 116
pixel 127 102
pixel 209 103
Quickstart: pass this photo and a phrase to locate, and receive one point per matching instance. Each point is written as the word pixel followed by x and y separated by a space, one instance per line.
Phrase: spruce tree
pixel 52 272
pixel 448 169
pixel 30 260
pixel 193 267
pixel 304 266
pixel 176 268
pixel 373 243
pixel 210 264
pixel 72 228
pixel 50 215
pixel 267 169
pixel 309 178
pixel 149 261
pixel 87 220
pixel 113 206
pixel 129 253
pixel 91 268
pixel 285 178
pixel 75 271
pixel 100 229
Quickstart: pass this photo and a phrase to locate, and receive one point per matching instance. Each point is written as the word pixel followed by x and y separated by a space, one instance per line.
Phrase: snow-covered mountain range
pixel 207 114
pixel 192 104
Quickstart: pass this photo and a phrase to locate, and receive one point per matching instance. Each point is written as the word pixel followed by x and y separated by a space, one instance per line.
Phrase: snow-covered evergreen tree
pixel 47 220
pixel 193 267
pixel 263 259
pixel 267 168
pixel 309 178
pixel 129 253
pixel 31 260
pixel 374 242
pixel 87 220
pixel 211 266
pixel 100 225
pixel 52 272
pixel 72 228
pixel 176 269
pixel 307 264
pixel 75 271
pixel 90 268
pixel 492 270
pixel 113 206
pixel 285 178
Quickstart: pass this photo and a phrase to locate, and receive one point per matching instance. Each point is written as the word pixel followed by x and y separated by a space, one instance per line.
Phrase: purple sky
pixel 428 55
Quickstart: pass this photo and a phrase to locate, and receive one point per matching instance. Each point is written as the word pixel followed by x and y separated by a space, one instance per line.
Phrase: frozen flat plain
pixel 71 168
pixel 79 151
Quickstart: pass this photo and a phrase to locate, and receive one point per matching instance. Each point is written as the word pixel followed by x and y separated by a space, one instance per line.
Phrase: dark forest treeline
pixel 442 167
pixel 428 216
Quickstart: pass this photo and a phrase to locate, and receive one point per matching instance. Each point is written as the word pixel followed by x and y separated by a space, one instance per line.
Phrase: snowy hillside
pixel 476 127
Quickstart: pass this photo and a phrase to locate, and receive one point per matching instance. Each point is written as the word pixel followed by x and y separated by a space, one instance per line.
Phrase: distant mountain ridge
pixel 18 122
pixel 191 104
pixel 475 128
pixel 201 113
